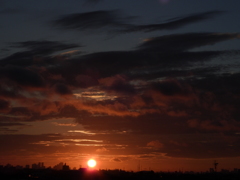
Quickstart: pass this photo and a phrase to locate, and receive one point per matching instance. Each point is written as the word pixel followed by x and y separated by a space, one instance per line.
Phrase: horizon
pixel 139 167
pixel 60 167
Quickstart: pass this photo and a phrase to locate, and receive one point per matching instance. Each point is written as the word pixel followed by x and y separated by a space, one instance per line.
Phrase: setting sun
pixel 91 163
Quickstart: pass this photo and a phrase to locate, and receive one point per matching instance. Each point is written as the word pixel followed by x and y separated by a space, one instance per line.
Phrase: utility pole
pixel 215 165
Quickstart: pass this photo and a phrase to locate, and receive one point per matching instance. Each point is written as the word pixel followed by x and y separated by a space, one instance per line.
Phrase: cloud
pixel 183 42
pixel 91 20
pixel 12 124
pixel 6 92
pixel 101 65
pixel 64 124
pixel 37 53
pixel 116 160
pixel 152 97
pixel 44 47
pixel 102 150
pixel 121 159
pixel 204 146
pixel 118 24
pixel 117 84
pixel 62 89
pixel 22 76
pixel 173 23
pixel 171 87
pixel 155 144
pixel 4 106
pixel 219 125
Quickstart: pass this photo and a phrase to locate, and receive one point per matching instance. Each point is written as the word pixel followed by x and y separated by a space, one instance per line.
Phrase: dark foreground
pixel 84 174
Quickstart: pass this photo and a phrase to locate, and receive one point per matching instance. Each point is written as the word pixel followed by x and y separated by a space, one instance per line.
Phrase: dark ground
pixel 84 174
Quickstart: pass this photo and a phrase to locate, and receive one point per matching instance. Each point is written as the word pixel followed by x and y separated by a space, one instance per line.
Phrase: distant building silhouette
pixel 61 166
pixel 211 170
pixel 65 167
pixel 58 166
pixel 40 165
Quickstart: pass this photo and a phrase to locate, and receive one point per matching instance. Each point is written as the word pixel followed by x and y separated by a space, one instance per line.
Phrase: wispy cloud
pixel 81 131
pixel 117 23
pixel 91 20
pixel 44 47
pixel 174 23
pixel 183 42
pixel 64 124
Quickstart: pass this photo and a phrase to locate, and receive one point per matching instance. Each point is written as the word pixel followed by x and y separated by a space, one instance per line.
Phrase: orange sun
pixel 91 163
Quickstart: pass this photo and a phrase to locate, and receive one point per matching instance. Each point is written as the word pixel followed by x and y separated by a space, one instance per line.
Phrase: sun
pixel 91 163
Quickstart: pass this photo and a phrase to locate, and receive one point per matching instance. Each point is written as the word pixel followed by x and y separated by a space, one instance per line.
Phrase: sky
pixel 134 84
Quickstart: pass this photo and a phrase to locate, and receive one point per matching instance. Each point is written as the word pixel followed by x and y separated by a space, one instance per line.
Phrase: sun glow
pixel 91 163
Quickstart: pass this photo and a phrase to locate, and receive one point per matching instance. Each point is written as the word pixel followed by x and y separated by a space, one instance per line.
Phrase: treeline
pixel 86 174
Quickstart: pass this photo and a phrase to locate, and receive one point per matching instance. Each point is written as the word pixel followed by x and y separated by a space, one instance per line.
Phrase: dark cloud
pixel 62 89
pixel 158 72
pixel 225 82
pixel 11 124
pixel 171 87
pixel 149 123
pixel 174 23
pixel 38 53
pixel 91 20
pixel 23 113
pixel 116 160
pixel 44 47
pixel 14 142
pixel 22 76
pixel 107 64
pixel 118 84
pixel 217 125
pixel 4 105
pixel 204 147
pixel 184 42
pixel 114 74
pixel 121 159
pixel 9 90
pixel 112 19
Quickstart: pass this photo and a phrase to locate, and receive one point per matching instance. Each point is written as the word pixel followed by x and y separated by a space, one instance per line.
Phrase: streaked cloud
pixel 117 23
pixel 81 131
pixel 64 124
pixel 174 23
pixel 184 42
pixel 91 20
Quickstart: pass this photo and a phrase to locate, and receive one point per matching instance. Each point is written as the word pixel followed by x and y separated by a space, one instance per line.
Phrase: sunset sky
pixel 129 83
